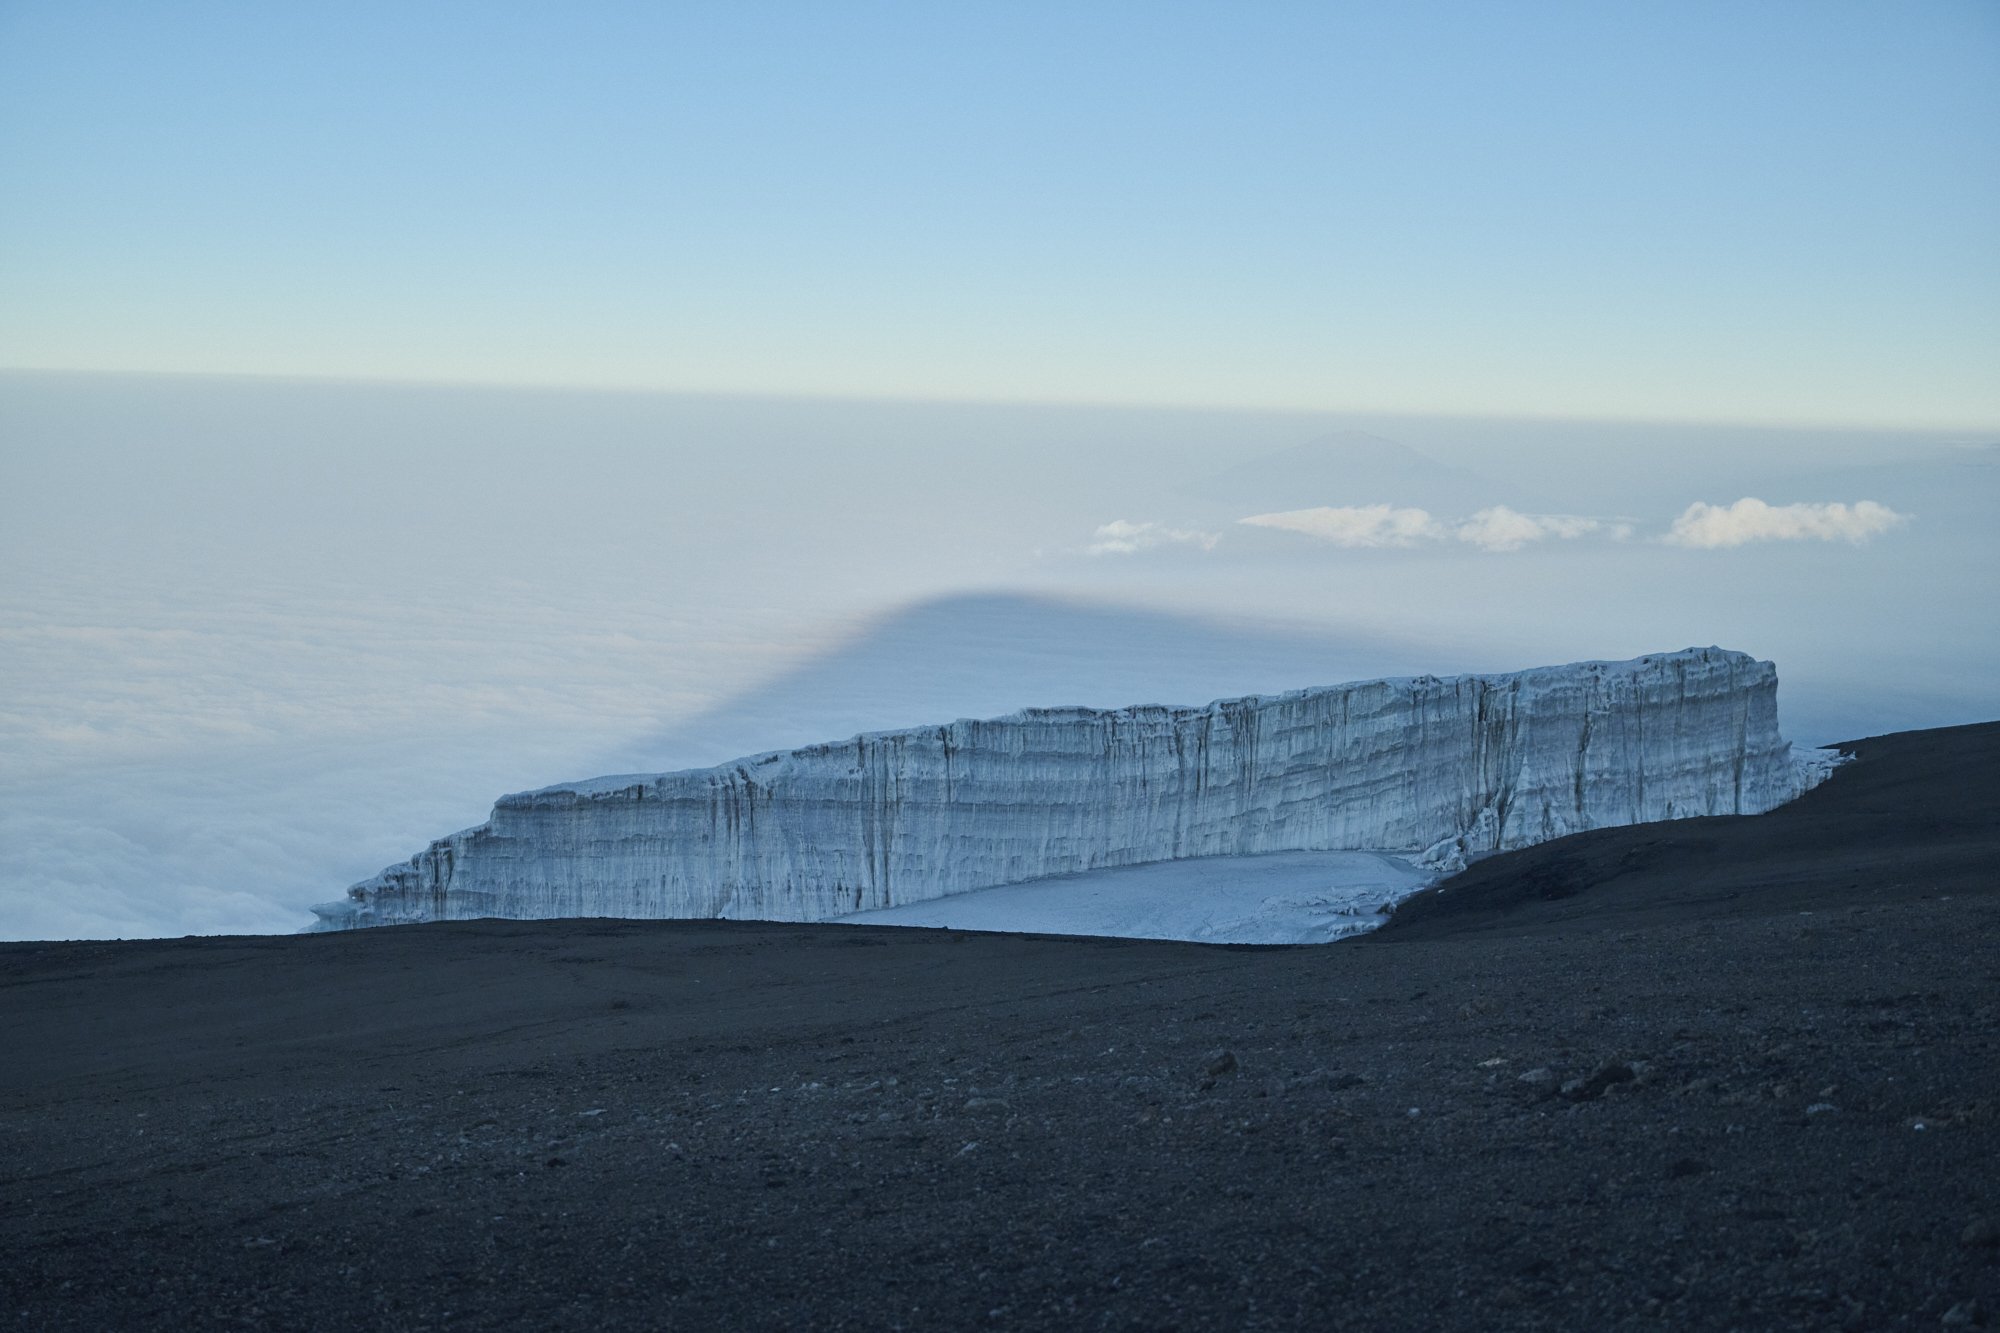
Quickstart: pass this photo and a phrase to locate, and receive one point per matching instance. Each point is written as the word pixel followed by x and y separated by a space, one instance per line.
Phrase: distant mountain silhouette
pixel 1348 468
pixel 1963 481
pixel 988 654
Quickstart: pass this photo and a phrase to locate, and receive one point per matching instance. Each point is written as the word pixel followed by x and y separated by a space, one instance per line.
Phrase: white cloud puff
pixel 1123 537
pixel 1493 529
pixel 1502 529
pixel 1355 525
pixel 1751 520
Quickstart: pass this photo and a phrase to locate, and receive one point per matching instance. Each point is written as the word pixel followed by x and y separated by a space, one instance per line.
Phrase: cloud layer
pixel 1354 525
pixel 1497 528
pixel 1751 520
pixel 1502 529
pixel 1123 537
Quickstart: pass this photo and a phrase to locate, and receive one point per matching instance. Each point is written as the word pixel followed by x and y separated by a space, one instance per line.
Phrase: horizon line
pixel 976 401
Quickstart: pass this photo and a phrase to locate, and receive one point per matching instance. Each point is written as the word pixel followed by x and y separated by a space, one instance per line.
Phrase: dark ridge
pixel 1912 815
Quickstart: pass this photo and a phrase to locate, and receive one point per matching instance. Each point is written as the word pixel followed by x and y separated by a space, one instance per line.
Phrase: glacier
pixel 1441 768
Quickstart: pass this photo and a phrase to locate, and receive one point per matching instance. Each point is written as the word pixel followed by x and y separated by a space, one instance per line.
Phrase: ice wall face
pixel 1452 766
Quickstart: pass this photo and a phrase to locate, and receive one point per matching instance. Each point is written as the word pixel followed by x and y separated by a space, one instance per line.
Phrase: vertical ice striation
pixel 1449 766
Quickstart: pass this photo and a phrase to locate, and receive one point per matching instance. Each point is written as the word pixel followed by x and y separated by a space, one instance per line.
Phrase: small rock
pixel 1540 1077
pixel 1605 1076
pixel 1963 1315
pixel 1494 1063
pixel 1330 1080
pixel 986 1104
pixel 1219 1063
pixel 1979 1234
pixel 1821 1108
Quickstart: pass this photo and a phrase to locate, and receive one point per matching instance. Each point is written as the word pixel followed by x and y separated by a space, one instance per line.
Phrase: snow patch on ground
pixel 1280 898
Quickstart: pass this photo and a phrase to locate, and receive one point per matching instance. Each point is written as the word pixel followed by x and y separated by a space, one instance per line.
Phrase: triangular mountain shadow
pixel 1349 468
pixel 989 654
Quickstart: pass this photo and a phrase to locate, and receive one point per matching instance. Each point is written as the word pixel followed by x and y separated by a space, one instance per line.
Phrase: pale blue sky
pixel 1773 211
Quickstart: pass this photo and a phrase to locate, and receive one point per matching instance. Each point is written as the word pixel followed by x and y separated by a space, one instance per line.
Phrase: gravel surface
pixel 1725 1074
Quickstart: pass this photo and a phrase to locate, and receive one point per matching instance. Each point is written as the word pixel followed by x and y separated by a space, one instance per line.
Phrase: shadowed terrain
pixel 1918 816
pixel 1714 1074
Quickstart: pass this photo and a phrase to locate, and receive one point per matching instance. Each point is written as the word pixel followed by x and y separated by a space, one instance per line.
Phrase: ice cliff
pixel 1450 767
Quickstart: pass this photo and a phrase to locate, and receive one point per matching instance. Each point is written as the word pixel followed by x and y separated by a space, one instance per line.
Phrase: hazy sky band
pixel 1767 212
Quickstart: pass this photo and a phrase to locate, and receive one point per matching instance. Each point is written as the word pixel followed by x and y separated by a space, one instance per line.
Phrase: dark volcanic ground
pixel 1715 1074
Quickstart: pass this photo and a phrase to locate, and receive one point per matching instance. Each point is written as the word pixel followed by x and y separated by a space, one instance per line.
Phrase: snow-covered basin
pixel 1279 898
